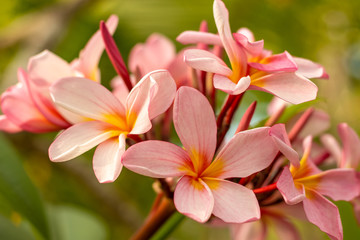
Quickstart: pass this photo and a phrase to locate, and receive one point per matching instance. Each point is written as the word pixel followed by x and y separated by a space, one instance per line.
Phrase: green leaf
pixel 17 188
pixel 72 223
pixel 9 231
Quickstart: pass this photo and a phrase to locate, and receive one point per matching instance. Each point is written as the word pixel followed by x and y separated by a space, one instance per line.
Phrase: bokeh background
pixel 64 200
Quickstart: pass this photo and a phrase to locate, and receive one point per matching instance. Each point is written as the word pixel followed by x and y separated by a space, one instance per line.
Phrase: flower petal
pixel 292 194
pixel 90 56
pixel 254 48
pixel 107 159
pixel 276 63
pixel 7 126
pixel 351 146
pixel 193 198
pixel 46 67
pixel 289 86
pixel 281 139
pixel 194 37
pixel 338 184
pixel 206 61
pixel 310 69
pixel 323 214
pixel 151 96
pixel 78 139
pixel 156 159
pixel 236 55
pixel 234 203
pixel 331 144
pixel 225 84
pixel 246 153
pixel 20 110
pixel 119 89
pixel 195 125
pixel 156 53
pixel 89 99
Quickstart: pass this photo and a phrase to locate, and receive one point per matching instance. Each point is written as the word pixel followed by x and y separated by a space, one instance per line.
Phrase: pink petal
pixel 291 87
pixel 276 63
pixel 78 139
pixel 193 198
pixel 152 96
pixel 351 146
pixel 156 159
pixel 88 98
pixel 20 110
pixel 119 89
pixel 310 69
pixel 317 124
pixel 323 214
pixel 195 125
pixel 356 205
pixel 157 53
pixel 234 203
pixel 46 67
pixel 247 33
pixel 246 153
pixel 338 184
pixel 225 84
pixel 90 56
pixel 292 194
pixel 256 230
pixel 206 61
pixel 107 159
pixel 162 93
pixel 285 229
pixel 331 145
pixel 254 48
pixel 180 71
pixel 194 37
pixel 7 126
pixel 236 55
pixel 281 139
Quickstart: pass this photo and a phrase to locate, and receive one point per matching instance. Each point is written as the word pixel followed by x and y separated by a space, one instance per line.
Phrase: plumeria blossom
pixel 202 189
pixel 276 217
pixel 308 184
pixel 109 121
pixel 348 156
pixel 28 105
pixel 252 67
pixel 158 52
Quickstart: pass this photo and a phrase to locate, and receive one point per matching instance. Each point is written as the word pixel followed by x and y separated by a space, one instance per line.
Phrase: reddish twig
pixel 265 189
pixel 155 220
pixel 273 118
pixel 245 120
pixel 300 123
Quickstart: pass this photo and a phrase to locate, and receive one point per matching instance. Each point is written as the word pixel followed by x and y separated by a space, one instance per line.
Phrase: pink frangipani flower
pixel 347 156
pixel 203 189
pixel 28 105
pixel 109 121
pixel 308 184
pixel 276 217
pixel 252 67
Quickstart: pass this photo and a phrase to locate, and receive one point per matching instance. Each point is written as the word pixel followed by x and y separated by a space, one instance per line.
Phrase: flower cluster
pixel 250 177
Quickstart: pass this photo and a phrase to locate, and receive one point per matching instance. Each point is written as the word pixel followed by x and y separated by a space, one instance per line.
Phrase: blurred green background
pixel 64 201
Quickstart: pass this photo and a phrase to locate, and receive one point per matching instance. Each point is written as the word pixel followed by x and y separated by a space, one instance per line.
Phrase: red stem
pixel 265 189
pixel 155 220
pixel 245 120
pixel 273 118
pixel 299 125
